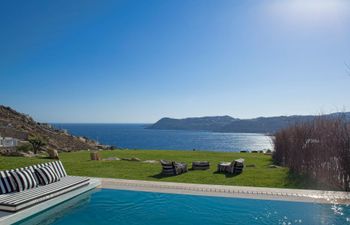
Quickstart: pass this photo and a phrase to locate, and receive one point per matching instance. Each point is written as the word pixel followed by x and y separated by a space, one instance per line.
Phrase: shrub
pixel 318 149
pixel 37 143
pixel 24 147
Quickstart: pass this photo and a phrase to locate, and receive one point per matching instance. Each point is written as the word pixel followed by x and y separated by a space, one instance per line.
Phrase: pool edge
pixel 262 193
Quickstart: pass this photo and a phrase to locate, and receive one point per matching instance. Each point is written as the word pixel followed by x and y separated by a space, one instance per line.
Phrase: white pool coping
pixel 7 218
pixel 297 195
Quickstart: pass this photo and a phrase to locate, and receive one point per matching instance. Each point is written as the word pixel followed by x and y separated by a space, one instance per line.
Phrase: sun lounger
pixel 22 192
pixel 233 167
pixel 18 200
pixel 173 168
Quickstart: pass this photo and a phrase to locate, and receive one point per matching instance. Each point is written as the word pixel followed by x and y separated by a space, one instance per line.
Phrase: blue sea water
pixel 120 207
pixel 135 136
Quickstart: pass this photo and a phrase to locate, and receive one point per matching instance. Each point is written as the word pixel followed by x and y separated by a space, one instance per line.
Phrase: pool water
pixel 119 207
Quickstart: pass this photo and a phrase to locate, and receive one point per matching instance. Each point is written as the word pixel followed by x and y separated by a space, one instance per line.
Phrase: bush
pixel 318 149
pixel 37 143
pixel 24 147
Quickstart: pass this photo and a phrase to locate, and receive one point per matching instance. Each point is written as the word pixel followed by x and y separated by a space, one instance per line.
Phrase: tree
pixel 37 142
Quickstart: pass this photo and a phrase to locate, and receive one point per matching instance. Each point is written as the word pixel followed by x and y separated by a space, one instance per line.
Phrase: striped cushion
pixel 56 165
pixel 46 175
pixel 58 168
pixel 7 184
pixel 24 179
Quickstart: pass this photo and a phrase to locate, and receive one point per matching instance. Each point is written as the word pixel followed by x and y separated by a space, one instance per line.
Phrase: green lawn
pixel 79 163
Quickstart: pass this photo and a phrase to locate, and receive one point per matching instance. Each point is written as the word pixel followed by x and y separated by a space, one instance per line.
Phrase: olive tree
pixel 37 142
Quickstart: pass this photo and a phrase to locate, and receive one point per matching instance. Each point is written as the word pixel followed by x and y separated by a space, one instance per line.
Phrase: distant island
pixel 266 125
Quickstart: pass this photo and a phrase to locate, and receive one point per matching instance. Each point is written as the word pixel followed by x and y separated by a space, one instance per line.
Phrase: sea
pixel 137 136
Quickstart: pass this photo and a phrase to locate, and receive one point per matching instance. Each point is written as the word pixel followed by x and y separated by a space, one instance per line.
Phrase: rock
pixel 28 154
pixel 274 166
pixel 151 161
pixel 7 151
pixel 15 154
pixel 53 154
pixel 135 159
pixel 20 154
pixel 132 159
pixel 111 159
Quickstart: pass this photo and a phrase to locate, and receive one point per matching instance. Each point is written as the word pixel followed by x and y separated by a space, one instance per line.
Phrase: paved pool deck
pixel 298 195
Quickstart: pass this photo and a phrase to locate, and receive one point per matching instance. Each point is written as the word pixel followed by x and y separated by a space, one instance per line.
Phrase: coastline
pixel 136 136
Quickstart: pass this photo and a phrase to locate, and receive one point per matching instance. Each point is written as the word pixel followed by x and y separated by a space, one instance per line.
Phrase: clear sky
pixel 138 61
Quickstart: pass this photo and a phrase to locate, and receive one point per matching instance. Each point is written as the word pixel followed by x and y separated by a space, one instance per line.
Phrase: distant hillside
pixel 21 126
pixel 234 125
pixel 200 123
pixel 263 124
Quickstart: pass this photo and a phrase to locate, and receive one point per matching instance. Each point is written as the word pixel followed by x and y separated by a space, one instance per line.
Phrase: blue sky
pixel 138 61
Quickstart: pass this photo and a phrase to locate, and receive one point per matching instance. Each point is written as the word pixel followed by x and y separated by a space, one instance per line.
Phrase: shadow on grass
pixel 305 182
pixel 161 176
pixel 294 180
pixel 87 160
pixel 45 157
pixel 298 181
pixel 227 175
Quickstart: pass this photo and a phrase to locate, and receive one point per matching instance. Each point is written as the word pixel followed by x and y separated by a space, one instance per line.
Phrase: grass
pixel 79 163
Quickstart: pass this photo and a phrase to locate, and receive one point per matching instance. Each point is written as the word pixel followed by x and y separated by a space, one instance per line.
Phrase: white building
pixel 8 142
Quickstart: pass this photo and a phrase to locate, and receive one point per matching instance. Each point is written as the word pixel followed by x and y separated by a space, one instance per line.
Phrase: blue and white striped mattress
pixel 19 200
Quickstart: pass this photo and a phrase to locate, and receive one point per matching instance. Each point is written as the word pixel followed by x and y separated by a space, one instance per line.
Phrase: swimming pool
pixel 121 207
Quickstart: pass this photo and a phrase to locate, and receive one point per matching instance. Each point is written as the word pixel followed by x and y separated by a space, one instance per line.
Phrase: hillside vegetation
pixel 21 126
